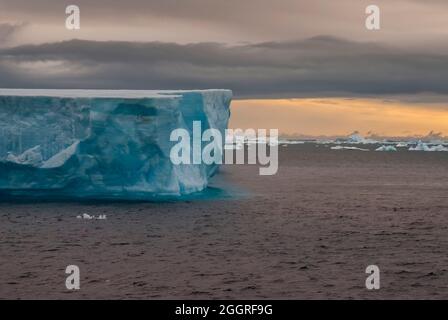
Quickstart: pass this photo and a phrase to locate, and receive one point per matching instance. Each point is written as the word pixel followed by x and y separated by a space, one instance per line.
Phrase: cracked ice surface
pixel 102 143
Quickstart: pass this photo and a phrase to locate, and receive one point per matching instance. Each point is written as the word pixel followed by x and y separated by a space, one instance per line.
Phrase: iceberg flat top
pixel 84 93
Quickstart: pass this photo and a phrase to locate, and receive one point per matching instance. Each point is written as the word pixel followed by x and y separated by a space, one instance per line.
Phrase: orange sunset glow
pixel 340 116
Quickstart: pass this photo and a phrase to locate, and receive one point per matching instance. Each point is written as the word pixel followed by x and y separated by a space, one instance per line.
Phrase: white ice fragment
pixel 402 144
pixel 348 148
pixel 86 216
pixel 386 148
pixel 356 138
pixel 421 146
pixel 439 148
pixel 285 141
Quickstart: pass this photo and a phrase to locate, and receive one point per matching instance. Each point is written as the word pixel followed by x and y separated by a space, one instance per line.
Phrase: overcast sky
pixel 404 22
pixel 258 48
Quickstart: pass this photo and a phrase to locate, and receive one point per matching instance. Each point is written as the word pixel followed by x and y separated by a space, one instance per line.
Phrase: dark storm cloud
pixel 317 66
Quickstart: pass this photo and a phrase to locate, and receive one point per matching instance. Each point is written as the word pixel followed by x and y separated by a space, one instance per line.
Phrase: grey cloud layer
pixel 317 66
pixel 233 21
pixel 215 10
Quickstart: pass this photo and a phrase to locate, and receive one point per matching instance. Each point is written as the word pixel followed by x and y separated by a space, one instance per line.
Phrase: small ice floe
pixel 356 138
pixel 402 144
pixel 287 141
pixel 386 148
pixel 421 146
pixel 348 148
pixel 86 216
pixel 439 148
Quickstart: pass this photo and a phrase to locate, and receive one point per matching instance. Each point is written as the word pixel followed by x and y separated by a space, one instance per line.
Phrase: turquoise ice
pixel 101 143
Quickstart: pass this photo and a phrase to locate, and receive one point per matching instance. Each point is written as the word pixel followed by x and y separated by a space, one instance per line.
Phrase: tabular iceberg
pixel 101 143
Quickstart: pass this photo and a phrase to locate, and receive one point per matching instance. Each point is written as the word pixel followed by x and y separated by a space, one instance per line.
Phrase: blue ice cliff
pixel 102 144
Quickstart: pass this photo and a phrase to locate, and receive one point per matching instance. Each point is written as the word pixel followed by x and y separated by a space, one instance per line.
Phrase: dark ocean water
pixel 308 232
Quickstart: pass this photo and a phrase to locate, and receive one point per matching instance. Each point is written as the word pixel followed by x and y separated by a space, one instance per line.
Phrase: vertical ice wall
pixel 95 143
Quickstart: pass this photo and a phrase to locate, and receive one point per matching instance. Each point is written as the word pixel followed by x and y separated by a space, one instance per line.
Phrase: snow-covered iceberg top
pixel 102 143
pixel 86 93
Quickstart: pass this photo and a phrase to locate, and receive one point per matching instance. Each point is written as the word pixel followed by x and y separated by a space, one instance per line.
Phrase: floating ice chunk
pixel 286 141
pixel 348 148
pixel 421 146
pixel 85 216
pixel 439 148
pixel 402 144
pixel 386 148
pixel 356 138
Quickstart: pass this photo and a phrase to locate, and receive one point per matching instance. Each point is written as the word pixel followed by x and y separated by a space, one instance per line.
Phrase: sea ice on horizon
pixel 421 146
pixel 348 148
pixel 386 148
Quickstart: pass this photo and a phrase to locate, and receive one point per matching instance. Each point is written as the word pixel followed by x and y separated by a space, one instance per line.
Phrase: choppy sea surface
pixel 308 232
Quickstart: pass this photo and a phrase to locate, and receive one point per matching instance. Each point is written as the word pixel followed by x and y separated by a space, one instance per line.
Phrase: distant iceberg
pixel 356 138
pixel 102 143
pixel 439 148
pixel 402 144
pixel 421 146
pixel 348 148
pixel 386 148
pixel 286 141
